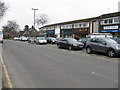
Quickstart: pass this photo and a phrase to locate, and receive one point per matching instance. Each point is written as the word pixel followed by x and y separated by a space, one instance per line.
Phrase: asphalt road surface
pixel 46 66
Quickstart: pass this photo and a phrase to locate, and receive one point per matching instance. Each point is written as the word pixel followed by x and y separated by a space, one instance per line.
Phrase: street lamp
pixel 34 15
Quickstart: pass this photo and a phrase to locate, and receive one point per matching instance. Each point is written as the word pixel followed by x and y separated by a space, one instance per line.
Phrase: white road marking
pixel 103 76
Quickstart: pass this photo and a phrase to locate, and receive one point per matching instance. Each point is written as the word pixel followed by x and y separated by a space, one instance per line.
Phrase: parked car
pixel 31 39
pixel 16 38
pixel 83 40
pixel 58 39
pixel 23 38
pixel 40 40
pixel 104 45
pixel 51 40
pixel 1 36
pixel 117 39
pixel 70 43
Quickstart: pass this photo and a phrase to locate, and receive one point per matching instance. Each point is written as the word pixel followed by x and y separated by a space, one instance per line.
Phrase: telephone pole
pixel 34 15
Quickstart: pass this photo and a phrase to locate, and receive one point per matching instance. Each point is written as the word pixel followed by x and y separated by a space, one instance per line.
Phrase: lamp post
pixel 34 15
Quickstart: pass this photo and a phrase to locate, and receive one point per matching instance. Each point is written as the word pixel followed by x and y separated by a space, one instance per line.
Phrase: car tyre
pixel 70 47
pixel 111 53
pixel 89 50
pixel 58 46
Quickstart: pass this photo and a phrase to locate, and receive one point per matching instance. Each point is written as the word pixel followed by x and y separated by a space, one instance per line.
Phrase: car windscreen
pixel 71 40
pixel 42 38
pixel 110 41
pixel 117 39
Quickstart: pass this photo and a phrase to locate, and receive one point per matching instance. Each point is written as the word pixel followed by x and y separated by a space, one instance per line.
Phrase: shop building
pixel 110 23
pixel 106 23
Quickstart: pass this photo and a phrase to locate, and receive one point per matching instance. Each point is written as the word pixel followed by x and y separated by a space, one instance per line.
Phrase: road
pixel 46 66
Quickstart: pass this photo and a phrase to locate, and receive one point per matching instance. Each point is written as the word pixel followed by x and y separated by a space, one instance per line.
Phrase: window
pixel 105 21
pixel 108 21
pixel 116 20
pixel 84 25
pixel 94 40
pixel 101 41
pixel 80 25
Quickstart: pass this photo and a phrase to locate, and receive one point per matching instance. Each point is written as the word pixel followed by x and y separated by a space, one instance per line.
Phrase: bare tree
pixel 42 19
pixel 11 29
pixel 13 25
pixel 3 9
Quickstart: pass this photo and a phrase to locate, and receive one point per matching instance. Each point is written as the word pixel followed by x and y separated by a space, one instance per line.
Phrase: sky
pixel 56 10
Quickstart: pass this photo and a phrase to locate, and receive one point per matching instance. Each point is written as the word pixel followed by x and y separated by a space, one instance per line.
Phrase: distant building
pixel 30 32
pixel 119 6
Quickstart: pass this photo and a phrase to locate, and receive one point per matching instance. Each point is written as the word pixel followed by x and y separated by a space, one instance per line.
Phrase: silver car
pixel 41 40
pixel 105 45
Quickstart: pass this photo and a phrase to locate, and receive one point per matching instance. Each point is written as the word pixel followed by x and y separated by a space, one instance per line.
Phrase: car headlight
pixel 117 48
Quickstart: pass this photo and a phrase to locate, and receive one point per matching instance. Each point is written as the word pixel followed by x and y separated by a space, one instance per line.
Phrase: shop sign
pixel 110 27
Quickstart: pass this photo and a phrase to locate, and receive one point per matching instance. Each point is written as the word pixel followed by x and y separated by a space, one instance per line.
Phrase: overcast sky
pixel 57 10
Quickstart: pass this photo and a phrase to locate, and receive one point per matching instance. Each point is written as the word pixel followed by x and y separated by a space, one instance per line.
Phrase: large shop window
pixel 50 32
pixel 67 31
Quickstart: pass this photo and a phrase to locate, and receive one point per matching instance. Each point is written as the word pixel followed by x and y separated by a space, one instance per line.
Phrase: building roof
pixel 70 22
pixel 85 20
pixel 110 15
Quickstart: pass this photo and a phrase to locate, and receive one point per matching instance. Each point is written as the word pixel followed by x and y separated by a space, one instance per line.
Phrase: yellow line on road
pixel 6 73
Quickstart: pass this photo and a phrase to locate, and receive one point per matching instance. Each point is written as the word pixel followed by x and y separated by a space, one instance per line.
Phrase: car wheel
pixel 70 47
pixel 89 50
pixel 111 53
pixel 58 46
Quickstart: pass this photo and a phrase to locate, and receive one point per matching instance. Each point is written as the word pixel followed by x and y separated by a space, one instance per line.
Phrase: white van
pixel 1 36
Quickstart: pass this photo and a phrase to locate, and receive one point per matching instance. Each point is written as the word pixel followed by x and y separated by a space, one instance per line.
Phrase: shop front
pixel 50 33
pixel 66 33
pixel 81 32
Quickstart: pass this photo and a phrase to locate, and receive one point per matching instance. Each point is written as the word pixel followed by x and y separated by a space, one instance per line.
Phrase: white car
pixel 16 38
pixel 23 38
pixel 41 40
pixel 1 36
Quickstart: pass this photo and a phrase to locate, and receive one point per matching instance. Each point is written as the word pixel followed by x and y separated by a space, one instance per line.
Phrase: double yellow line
pixel 6 72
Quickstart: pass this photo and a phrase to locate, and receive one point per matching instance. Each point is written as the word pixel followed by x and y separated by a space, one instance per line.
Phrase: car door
pixel 65 43
pixel 101 47
pixel 94 44
pixel 62 43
